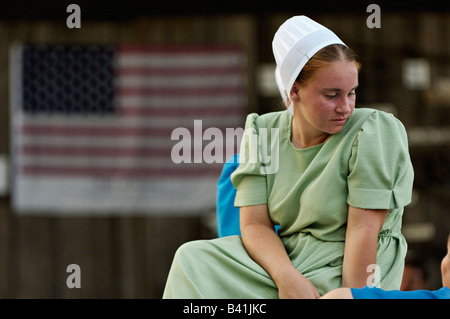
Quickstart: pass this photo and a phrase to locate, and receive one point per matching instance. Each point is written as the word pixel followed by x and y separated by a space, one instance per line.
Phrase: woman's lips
pixel 339 121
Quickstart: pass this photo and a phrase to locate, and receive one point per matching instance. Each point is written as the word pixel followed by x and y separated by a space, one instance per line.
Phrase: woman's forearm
pixel 262 242
pixel 360 252
pixel 265 247
pixel 361 241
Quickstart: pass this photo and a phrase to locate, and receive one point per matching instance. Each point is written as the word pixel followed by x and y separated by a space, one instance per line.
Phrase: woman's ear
pixel 295 93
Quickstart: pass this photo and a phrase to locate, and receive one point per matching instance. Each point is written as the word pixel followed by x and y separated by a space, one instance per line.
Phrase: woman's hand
pixel 293 285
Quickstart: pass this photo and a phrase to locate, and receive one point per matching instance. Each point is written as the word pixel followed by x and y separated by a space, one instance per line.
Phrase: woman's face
pixel 327 100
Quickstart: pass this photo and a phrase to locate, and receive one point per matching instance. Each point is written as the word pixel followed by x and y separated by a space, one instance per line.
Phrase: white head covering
pixel 294 43
pixel 279 83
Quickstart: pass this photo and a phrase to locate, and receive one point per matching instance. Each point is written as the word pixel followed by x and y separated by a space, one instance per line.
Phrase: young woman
pixel 341 179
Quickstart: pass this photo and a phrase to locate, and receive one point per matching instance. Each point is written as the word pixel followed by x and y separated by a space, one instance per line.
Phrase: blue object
pixel 377 293
pixel 227 214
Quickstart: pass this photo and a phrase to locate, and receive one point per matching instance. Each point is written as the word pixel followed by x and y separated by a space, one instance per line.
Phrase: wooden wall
pixel 129 257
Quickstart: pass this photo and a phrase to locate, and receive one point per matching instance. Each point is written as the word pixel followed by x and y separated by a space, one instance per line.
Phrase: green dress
pixel 308 191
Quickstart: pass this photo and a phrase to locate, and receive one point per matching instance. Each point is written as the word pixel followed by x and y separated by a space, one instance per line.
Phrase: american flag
pixel 92 125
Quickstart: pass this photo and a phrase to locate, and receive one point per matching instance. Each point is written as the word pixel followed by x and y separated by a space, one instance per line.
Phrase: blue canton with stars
pixel 59 79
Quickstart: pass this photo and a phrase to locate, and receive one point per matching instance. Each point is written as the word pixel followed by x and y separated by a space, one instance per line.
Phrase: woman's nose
pixel 345 105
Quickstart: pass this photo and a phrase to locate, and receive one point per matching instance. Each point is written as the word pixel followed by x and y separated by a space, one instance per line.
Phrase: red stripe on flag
pixel 179 49
pixel 178 92
pixel 49 150
pixel 108 131
pixel 94 131
pixel 199 112
pixel 103 172
pixel 197 71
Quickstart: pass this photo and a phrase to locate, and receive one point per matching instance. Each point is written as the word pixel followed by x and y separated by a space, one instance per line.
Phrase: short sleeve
pixel 249 178
pixel 380 169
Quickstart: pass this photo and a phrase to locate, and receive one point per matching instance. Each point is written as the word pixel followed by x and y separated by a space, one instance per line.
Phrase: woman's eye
pixel 331 96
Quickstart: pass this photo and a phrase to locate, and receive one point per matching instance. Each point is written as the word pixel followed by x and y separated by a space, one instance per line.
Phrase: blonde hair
pixel 326 55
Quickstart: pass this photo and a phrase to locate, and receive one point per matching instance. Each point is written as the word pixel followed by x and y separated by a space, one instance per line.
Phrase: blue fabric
pixel 227 214
pixel 377 293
